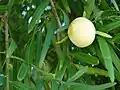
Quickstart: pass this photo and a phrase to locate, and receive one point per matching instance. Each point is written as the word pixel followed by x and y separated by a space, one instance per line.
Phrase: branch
pixel 56 17
pixel 6 47
pixel 58 47
pixel 55 13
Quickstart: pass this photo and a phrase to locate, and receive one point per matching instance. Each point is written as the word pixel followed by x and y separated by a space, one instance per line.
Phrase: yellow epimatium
pixel 81 32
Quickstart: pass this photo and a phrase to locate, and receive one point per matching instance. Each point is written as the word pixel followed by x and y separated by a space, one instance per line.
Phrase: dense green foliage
pixel 41 57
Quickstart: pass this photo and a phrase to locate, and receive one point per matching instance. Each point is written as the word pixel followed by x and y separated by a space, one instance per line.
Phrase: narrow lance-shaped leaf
pixel 29 53
pixel 104 5
pixel 39 46
pixel 115 58
pixel 116 38
pixel 78 86
pixel 110 26
pixel 98 52
pixel 117 74
pixel 60 74
pixel 37 15
pixel 22 71
pixel 107 57
pixel 89 6
pixel 3 8
pixel 78 74
pixel 85 58
pixel 103 34
pixel 17 58
pixel 97 71
pixel 97 13
pixel 10 4
pixel 61 29
pixel 11 48
pixel 94 71
pixel 63 40
pixel 66 5
pixel 55 85
pixel 76 6
pixel 20 86
pixel 62 87
pixel 2 80
pixel 115 4
pixel 66 18
pixel 39 84
pixel 47 42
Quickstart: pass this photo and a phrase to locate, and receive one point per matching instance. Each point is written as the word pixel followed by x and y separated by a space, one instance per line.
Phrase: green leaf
pixel 115 58
pixel 103 5
pixel 60 73
pixel 60 54
pixel 88 7
pixel 65 15
pixel 108 13
pixel 61 29
pixel 66 18
pixel 77 86
pixel 47 42
pixel 39 47
pixel 44 75
pixel 11 48
pixel 103 34
pixel 66 5
pixel 48 76
pixel 97 71
pixel 30 50
pixel 116 38
pixel 107 57
pixel 85 58
pixel 39 84
pixel 98 53
pixel 71 70
pixel 117 74
pixel 17 58
pixel 22 71
pixel 78 74
pixel 2 81
pixel 110 26
pixel 46 86
pixel 76 6
pixel 10 4
pixel 37 15
pixel 3 8
pixel 97 13
pixel 55 85
pixel 62 87
pixel 93 71
pixel 115 4
pixel 63 40
pixel 20 86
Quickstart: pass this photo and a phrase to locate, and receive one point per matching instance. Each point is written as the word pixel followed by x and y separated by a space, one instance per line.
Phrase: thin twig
pixel 57 47
pixel 56 17
pixel 55 13
pixel 6 47
pixel 6 31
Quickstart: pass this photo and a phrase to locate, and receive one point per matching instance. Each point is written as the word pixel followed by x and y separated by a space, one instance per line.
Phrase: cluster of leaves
pixel 41 60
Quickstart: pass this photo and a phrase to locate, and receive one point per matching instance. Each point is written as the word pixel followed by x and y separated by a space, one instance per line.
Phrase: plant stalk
pixel 6 47
pixel 56 17
pixel 58 47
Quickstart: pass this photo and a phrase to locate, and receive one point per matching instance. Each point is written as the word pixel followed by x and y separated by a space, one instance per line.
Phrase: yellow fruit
pixel 81 32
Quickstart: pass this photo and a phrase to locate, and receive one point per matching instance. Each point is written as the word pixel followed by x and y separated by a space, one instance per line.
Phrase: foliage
pixel 41 57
